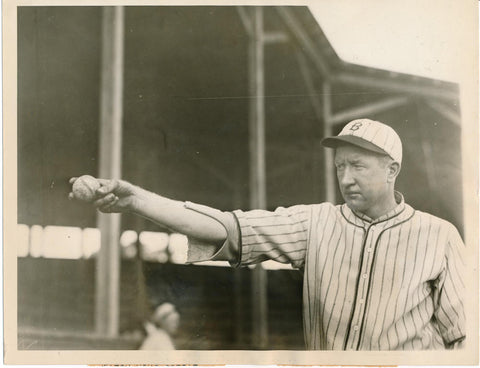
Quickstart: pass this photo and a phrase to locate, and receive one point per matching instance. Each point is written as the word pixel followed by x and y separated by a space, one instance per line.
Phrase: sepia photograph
pixel 241 182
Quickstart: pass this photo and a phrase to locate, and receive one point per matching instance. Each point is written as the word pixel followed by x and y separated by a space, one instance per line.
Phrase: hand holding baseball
pixel 84 188
pixel 107 195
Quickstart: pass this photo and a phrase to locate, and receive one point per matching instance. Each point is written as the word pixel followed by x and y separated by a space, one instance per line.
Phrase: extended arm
pixel 121 196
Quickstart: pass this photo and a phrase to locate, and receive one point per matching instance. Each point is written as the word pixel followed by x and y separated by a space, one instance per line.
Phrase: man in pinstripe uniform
pixel 378 275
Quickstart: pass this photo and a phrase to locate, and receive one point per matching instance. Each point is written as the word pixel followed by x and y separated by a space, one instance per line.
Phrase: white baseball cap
pixel 370 135
pixel 163 311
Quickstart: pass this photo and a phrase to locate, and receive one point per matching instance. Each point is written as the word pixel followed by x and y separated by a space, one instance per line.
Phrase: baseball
pixel 84 188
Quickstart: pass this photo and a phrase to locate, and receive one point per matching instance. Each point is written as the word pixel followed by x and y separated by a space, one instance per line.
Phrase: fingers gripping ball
pixel 84 188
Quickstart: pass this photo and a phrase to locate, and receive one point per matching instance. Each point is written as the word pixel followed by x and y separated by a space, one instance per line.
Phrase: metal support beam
pixel 258 197
pixel 394 86
pixel 307 44
pixel 275 37
pixel 445 111
pixel 257 115
pixel 111 98
pixel 329 174
pixel 246 20
pixel 268 37
pixel 368 109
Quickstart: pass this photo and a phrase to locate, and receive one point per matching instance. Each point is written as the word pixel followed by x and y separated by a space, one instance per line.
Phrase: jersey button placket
pixel 372 235
pixel 362 285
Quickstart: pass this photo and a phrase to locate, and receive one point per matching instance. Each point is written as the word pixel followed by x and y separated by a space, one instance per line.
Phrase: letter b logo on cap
pixel 356 126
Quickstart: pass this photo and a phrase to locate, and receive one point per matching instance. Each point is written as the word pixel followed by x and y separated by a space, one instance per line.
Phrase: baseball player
pixel 378 274
pixel 163 324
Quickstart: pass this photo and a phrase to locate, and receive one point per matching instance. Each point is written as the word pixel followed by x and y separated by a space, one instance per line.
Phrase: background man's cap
pixel 371 135
pixel 163 311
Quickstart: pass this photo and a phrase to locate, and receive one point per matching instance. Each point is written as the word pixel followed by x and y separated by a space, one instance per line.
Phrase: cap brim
pixel 339 140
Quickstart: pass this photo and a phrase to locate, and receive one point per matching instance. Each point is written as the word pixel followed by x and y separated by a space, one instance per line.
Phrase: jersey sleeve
pixel 281 235
pixel 449 310
pixel 199 250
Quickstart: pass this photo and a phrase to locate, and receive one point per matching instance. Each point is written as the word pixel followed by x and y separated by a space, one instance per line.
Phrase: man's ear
pixel 393 171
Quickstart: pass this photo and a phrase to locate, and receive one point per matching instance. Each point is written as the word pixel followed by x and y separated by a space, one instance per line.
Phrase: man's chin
pixel 355 205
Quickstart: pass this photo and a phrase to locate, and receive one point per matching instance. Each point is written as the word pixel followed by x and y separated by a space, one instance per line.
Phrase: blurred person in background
pixel 160 328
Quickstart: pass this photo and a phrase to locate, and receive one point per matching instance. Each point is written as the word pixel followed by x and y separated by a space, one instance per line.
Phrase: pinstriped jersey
pixel 394 283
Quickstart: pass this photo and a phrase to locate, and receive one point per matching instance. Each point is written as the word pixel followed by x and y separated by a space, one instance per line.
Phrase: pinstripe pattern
pixel 281 236
pixel 392 284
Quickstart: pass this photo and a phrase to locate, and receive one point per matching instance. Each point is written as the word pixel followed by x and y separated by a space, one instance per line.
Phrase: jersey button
pixel 361 301
pixel 369 250
pixel 355 328
pixel 364 275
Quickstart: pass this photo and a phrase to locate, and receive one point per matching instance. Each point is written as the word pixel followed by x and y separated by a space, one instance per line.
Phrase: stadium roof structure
pixel 304 28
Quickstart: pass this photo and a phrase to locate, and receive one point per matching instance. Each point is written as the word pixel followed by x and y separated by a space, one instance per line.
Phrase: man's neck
pixel 382 208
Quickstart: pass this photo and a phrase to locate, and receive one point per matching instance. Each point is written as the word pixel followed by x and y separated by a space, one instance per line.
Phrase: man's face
pixel 171 322
pixel 362 177
pixel 167 317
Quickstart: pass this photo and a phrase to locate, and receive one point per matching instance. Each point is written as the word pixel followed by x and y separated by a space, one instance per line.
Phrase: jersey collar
pixel 401 212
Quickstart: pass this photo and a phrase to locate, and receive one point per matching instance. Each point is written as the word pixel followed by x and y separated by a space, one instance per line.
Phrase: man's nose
pixel 346 177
